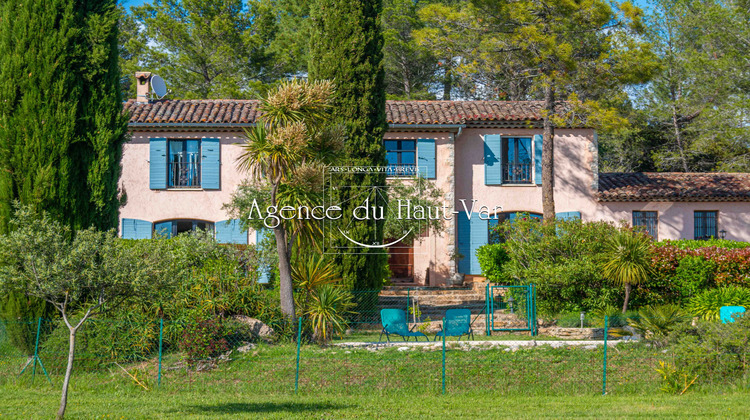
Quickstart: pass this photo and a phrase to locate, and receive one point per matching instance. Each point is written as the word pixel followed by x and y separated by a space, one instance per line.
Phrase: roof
pixel 674 186
pixel 245 112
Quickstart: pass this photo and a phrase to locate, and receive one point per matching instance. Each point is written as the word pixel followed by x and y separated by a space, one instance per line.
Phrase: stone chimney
pixel 143 86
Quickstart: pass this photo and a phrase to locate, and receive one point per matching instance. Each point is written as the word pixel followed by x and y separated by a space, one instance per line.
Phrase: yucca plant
pixel 327 309
pixel 627 260
pixel 656 322
pixel 309 273
pixel 708 303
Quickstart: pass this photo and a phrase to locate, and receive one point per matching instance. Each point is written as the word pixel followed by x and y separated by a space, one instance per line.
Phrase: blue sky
pixel 129 3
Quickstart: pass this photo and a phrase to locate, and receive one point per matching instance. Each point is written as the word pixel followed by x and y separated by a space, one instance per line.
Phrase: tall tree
pixel 207 48
pixel 347 47
pixel 410 68
pixel 699 101
pixel 549 50
pixel 61 121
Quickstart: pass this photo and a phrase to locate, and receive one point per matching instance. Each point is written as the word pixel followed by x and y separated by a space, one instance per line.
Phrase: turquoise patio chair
pixel 728 313
pixel 457 324
pixel 394 322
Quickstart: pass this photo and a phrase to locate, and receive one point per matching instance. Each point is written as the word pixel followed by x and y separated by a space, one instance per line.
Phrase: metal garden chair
pixel 728 313
pixel 394 322
pixel 457 323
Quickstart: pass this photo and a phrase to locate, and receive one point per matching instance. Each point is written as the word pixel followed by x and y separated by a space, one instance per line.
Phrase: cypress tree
pixel 61 120
pixel 347 47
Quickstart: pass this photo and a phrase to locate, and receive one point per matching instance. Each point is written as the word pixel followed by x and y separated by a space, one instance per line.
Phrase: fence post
pixel 444 334
pixel 408 292
pixel 161 341
pixel 36 348
pixel 487 310
pixel 604 364
pixel 299 341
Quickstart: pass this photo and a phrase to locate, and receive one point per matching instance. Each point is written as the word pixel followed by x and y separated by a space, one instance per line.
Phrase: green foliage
pixel 696 244
pixel 328 310
pixel 572 320
pixel 561 258
pixel 715 352
pixel 708 303
pixel 674 380
pixel 626 260
pixel 203 339
pixel 206 49
pixel 61 124
pixel 694 274
pixel 20 314
pixel 347 46
pixel 492 258
pixel 615 317
pixel 655 323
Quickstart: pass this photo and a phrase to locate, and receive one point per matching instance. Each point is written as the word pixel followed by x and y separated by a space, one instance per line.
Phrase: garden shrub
pixel 492 259
pixel 695 243
pixel 204 339
pixel 654 323
pixel 561 259
pixel 708 303
pixel 715 352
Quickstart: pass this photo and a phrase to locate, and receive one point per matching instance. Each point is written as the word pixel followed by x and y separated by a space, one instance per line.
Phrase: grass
pixel 343 383
pixel 225 403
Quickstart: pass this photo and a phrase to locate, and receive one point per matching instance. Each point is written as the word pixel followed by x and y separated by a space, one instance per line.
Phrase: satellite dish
pixel 158 86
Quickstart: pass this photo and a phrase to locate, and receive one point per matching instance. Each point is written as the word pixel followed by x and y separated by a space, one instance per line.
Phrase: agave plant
pixel 327 310
pixel 655 322
pixel 627 260
pixel 708 303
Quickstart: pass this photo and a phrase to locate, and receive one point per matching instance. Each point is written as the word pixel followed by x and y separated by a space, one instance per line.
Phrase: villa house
pixel 179 169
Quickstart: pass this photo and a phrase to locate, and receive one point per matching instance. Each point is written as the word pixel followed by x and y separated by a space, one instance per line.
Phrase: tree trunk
pixel 548 158
pixel 447 85
pixel 68 370
pixel 285 274
pixel 627 298
pixel 678 138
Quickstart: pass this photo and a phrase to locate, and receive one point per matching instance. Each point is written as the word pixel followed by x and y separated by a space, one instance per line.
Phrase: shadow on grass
pixel 290 407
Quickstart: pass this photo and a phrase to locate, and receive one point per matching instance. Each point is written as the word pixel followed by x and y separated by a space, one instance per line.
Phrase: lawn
pixel 226 403
pixel 340 383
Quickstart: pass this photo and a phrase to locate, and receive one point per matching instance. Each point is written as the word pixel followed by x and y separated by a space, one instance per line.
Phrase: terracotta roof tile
pixel 223 111
pixel 674 186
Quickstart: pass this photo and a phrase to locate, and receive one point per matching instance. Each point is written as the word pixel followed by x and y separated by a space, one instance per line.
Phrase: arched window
pixel 498 218
pixel 170 228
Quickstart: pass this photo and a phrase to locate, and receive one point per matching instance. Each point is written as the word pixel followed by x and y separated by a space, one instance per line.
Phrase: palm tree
pixel 627 260
pixel 286 153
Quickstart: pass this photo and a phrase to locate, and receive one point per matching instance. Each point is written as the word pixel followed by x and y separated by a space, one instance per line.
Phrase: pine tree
pixel 61 121
pixel 347 47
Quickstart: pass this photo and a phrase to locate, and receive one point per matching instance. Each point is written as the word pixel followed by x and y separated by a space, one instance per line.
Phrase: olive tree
pixel 81 275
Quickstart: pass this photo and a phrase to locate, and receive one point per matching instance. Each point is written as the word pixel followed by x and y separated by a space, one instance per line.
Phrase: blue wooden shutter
pixel 230 232
pixel 426 158
pixel 538 159
pixel 264 272
pixel 471 235
pixel 136 229
pixel 493 160
pixel 164 229
pixel 210 164
pixel 157 163
pixel 569 215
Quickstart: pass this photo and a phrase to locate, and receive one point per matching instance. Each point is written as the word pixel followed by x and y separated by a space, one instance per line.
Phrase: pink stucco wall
pixel 157 205
pixel 676 219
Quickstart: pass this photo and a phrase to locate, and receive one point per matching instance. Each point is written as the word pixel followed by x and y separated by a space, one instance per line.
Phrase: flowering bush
pixel 203 339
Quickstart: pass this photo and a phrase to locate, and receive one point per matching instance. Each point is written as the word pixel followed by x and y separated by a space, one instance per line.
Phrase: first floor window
pixel 516 160
pixel 401 156
pixel 184 164
pixel 172 228
pixel 648 221
pixel 705 224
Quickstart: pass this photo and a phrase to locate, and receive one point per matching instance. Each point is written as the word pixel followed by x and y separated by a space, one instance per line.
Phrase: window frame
pixel 197 177
pixel 646 215
pixel 528 178
pixel 399 154
pixel 704 224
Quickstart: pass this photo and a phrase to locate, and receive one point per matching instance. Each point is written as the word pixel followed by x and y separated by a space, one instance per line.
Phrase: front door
pixel 401 262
